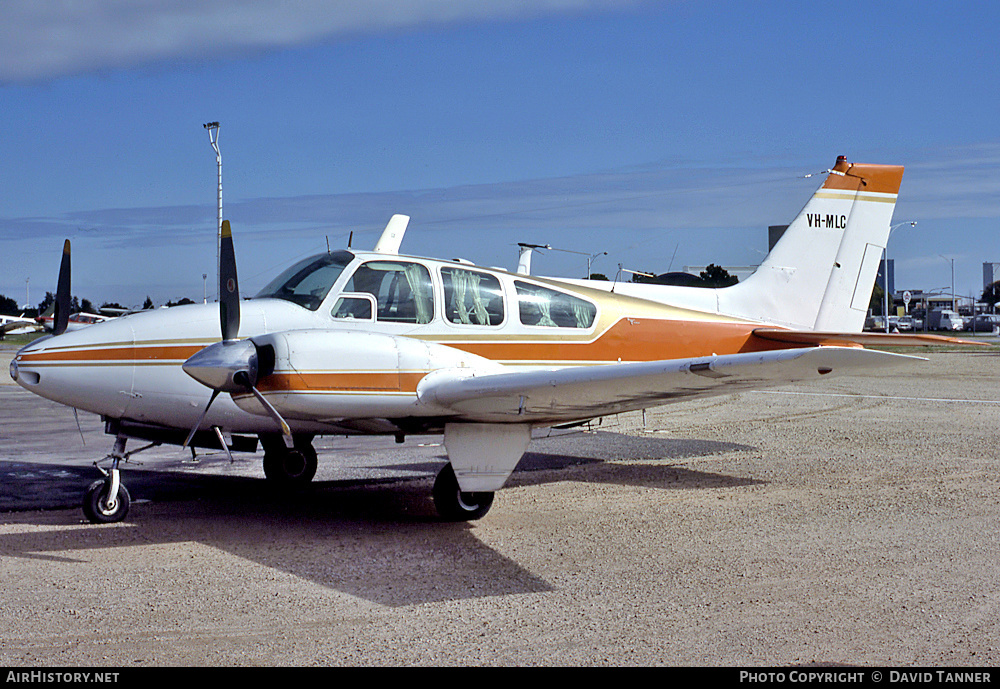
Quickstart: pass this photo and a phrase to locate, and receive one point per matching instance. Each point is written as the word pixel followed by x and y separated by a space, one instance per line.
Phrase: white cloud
pixel 42 40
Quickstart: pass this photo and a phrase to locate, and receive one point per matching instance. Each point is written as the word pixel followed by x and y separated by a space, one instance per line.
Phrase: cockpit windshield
pixel 309 281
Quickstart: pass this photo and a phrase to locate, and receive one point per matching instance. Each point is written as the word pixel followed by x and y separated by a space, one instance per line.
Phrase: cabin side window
pixel 355 307
pixel 402 291
pixel 472 298
pixel 549 308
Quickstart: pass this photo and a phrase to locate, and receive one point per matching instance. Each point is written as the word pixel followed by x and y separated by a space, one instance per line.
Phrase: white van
pixel 944 319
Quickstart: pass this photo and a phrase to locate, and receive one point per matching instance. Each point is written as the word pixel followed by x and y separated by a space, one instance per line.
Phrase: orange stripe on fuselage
pixel 109 354
pixel 630 339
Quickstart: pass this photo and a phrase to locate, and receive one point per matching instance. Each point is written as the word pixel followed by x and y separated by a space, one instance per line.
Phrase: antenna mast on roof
pixel 213 138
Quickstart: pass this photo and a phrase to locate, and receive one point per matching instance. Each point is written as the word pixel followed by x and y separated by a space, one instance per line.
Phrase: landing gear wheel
pixel 290 468
pixel 454 505
pixel 99 509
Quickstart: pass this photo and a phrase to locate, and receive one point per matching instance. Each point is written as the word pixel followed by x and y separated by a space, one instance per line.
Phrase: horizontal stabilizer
pixel 811 337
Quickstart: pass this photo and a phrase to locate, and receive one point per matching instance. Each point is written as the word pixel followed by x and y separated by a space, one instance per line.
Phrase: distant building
pixel 774 233
pixel 991 273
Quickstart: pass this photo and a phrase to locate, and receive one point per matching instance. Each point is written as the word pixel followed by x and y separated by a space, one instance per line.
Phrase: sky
pixel 667 134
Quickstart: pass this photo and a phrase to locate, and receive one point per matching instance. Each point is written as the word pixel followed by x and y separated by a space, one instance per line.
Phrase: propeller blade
pixel 60 318
pixel 187 441
pixel 229 288
pixel 230 365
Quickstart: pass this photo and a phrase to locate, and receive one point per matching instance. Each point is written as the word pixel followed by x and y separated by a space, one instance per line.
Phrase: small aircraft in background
pixel 17 325
pixel 373 342
pixel 75 321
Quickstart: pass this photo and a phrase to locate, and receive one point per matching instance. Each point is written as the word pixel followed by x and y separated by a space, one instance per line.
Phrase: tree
pixel 48 301
pixel 712 276
pixel 148 304
pixel 717 276
pixel 877 302
pixel 991 295
pixel 8 306
pixel 76 305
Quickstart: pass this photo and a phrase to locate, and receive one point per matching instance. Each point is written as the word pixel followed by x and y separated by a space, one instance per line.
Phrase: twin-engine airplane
pixel 351 342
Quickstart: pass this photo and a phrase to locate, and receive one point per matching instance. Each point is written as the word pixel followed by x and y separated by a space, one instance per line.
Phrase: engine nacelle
pixel 332 375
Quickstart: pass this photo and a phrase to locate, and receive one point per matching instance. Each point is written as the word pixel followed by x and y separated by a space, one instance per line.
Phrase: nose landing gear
pixel 107 500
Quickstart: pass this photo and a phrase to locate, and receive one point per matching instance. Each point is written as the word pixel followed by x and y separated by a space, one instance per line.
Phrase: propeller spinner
pixel 232 364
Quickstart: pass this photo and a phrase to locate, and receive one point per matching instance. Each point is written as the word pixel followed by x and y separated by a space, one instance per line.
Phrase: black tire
pixel 95 503
pixel 290 468
pixel 455 506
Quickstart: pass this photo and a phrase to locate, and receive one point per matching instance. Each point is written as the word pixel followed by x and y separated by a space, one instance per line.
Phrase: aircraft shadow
pixel 377 539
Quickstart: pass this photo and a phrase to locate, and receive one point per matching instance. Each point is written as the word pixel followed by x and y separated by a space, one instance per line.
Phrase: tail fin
pixel 820 274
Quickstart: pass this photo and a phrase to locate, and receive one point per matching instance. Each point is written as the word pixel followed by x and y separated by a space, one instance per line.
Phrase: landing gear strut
pixel 107 500
pixel 454 505
pixel 289 467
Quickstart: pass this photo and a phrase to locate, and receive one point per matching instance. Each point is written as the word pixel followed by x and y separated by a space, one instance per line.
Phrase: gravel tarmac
pixel 849 522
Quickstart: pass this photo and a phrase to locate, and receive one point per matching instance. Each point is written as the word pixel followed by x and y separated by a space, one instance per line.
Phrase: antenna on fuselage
pixel 631 272
pixel 213 138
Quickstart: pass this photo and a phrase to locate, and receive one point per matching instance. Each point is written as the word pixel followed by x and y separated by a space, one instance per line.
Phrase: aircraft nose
pixel 227 366
pixel 23 372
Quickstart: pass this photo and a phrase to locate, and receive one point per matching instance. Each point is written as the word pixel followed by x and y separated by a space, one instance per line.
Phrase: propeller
pixel 232 364
pixel 60 316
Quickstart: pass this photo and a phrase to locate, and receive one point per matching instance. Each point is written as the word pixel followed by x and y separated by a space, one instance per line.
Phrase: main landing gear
pixel 454 505
pixel 289 467
pixel 294 467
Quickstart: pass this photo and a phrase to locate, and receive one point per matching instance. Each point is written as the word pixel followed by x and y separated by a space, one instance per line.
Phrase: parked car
pixel 984 323
pixel 875 324
pixel 905 323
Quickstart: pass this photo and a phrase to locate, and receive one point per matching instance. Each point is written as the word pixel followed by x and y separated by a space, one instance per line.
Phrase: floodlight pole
pixel 952 280
pixel 213 138
pixel 885 272
pixel 590 257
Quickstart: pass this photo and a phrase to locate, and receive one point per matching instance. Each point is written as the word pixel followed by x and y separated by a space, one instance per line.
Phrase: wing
pixel 16 325
pixel 582 392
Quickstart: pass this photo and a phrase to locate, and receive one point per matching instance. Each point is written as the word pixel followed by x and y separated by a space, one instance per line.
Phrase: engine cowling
pixel 327 375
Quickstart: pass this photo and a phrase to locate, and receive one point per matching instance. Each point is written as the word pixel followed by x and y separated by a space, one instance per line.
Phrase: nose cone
pixel 26 365
pixel 227 366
